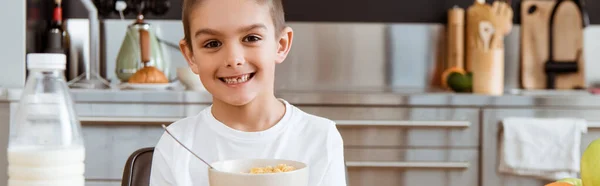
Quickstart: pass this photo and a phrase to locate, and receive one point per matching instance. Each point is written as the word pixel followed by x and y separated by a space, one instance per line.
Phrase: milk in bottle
pixel 45 143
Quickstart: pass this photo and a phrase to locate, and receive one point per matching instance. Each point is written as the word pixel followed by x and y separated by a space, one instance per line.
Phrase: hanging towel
pixel 547 149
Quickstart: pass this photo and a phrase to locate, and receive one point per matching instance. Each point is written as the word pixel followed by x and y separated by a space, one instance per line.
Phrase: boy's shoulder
pixel 313 121
pixel 312 118
pixel 183 125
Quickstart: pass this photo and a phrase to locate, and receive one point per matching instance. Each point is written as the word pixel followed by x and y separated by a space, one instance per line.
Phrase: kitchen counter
pixel 346 96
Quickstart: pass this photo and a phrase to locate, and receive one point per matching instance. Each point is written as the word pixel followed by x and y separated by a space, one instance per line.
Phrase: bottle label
pixel 57 16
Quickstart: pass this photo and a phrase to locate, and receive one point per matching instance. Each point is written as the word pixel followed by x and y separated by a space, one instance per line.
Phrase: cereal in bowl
pixel 269 169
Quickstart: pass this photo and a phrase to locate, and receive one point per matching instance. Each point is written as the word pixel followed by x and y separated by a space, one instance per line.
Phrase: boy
pixel 234 45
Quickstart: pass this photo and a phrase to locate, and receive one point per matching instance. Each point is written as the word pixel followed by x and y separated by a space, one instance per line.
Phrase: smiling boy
pixel 234 45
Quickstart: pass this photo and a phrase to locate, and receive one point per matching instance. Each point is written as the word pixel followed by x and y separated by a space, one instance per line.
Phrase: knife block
pixel 567 65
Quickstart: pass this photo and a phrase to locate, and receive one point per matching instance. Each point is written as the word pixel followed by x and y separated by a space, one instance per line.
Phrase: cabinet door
pixel 407 167
pixel 392 127
pixel 492 119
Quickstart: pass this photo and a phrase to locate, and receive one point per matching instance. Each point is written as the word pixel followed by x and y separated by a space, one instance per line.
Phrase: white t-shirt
pixel 297 136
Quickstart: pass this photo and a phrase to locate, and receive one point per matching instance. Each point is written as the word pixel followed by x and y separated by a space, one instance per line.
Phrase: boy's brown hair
pixel 275 7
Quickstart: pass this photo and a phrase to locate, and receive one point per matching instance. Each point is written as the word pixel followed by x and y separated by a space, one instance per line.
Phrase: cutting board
pixel 568 43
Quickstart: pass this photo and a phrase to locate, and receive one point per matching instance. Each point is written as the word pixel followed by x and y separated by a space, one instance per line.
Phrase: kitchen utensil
pixel 504 15
pixel 567 40
pixel 186 148
pixel 486 30
pixel 235 173
pixel 456 31
pixel 554 67
pixel 140 36
pixel 484 60
pixel 479 11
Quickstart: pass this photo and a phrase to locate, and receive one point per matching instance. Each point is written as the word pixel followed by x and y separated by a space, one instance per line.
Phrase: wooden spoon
pixel 504 15
pixel 486 30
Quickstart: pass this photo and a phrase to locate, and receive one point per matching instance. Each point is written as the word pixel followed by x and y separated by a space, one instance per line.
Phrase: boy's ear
pixel 189 56
pixel 284 44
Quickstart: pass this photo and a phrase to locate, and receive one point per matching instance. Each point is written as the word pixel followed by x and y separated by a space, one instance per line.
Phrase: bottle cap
pixel 46 61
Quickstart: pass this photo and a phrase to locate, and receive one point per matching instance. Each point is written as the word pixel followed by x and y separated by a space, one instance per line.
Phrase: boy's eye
pixel 252 38
pixel 212 44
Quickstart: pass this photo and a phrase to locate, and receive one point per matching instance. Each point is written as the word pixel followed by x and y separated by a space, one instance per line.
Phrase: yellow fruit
pixel 590 164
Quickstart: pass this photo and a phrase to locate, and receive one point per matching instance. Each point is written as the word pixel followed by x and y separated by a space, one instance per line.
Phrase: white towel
pixel 547 149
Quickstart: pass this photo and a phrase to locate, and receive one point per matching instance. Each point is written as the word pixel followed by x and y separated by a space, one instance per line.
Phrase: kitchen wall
pixel 346 56
pixel 12 17
pixel 379 44
pixel 324 55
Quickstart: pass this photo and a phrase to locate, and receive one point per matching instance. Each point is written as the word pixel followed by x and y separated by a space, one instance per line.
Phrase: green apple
pixel 590 164
pixel 572 181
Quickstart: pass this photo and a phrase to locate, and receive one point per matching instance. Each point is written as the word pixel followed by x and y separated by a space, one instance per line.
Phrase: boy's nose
pixel 235 56
pixel 235 61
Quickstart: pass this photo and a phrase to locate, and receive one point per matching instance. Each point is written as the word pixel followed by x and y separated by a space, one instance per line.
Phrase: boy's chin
pixel 237 100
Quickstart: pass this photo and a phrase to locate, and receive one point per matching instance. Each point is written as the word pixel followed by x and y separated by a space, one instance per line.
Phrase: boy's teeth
pixel 239 79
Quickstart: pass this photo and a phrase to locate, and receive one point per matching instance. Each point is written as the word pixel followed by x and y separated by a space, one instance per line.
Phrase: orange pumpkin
pixel 148 74
pixel 559 184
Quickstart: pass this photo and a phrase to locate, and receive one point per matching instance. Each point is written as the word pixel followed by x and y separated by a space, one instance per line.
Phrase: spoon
pixel 486 30
pixel 165 127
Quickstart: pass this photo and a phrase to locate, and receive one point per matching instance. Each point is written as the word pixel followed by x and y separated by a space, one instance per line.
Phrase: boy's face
pixel 234 49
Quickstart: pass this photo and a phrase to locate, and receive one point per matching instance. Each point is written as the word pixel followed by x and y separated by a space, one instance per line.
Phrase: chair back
pixel 137 168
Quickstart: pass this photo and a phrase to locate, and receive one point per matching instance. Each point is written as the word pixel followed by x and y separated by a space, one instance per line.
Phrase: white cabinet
pixel 406 167
pixel 392 146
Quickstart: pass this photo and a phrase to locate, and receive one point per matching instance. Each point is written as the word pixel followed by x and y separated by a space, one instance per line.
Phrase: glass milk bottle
pixel 46 144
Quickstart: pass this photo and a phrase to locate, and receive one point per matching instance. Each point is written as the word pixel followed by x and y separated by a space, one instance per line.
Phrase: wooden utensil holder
pixel 488 71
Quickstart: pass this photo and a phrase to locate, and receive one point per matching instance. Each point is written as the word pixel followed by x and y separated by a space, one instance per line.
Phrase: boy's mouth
pixel 237 79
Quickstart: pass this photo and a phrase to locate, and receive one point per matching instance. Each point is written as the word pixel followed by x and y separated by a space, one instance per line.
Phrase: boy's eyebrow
pixel 243 29
pixel 252 27
pixel 206 31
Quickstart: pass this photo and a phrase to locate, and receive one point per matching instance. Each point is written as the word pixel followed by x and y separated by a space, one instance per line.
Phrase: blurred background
pixel 394 75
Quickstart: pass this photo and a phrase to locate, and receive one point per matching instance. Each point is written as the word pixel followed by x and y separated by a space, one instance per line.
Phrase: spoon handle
pixel 165 127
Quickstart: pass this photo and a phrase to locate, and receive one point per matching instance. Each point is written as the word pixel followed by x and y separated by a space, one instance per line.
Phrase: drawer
pixel 404 127
pixel 406 167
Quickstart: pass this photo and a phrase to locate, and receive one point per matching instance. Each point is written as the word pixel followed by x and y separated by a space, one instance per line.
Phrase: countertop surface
pixel 345 96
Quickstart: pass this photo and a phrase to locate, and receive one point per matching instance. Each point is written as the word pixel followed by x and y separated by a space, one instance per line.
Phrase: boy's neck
pixel 260 114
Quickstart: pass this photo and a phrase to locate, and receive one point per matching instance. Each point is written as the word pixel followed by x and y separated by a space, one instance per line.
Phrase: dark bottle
pixel 54 39
pixel 57 38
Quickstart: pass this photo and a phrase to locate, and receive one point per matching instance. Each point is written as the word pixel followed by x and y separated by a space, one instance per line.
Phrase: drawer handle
pixel 399 123
pixel 421 165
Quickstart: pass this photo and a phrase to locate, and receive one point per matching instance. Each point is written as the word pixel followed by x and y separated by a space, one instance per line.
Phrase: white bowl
pixel 190 80
pixel 235 173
